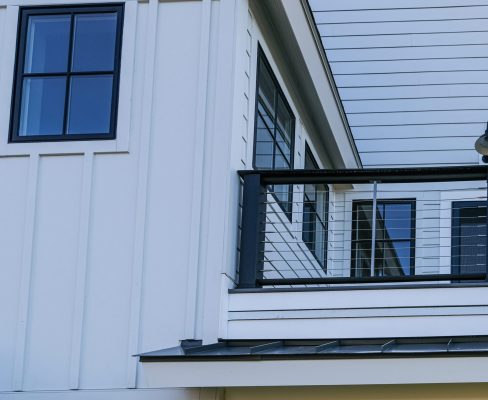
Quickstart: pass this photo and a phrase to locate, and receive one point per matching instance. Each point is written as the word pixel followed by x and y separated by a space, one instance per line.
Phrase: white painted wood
pixel 106 325
pixel 339 314
pixel 81 264
pixel 13 280
pixel 370 298
pixel 217 178
pixel 422 326
pixel 142 184
pixel 433 52
pixel 26 270
pixel 198 164
pixel 169 193
pixel 53 276
pixel 109 394
pixel 318 372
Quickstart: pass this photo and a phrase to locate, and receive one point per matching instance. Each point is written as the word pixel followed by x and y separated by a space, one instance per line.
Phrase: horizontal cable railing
pixel 339 227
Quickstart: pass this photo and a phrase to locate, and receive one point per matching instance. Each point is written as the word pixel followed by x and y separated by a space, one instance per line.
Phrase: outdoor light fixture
pixel 481 145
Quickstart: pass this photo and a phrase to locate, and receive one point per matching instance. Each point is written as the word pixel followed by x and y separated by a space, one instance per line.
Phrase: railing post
pixel 373 228
pixel 252 231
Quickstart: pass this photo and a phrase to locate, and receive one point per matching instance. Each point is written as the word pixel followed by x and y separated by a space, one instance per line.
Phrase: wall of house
pixel 411 76
pixel 101 240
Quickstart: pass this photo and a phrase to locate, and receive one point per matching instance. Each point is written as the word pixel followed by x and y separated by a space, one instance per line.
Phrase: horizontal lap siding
pixel 409 70
pixel 339 314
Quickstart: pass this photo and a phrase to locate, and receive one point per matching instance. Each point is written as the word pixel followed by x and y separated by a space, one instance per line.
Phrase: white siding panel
pixel 408 39
pixel 460 23
pixel 13 177
pixel 405 79
pixel 385 132
pixel 444 117
pixel 350 54
pixel 53 273
pixel 394 66
pixel 431 144
pixel 367 12
pixel 107 302
pixel 170 193
pixel 453 103
pixel 374 4
pixel 425 157
pixel 339 313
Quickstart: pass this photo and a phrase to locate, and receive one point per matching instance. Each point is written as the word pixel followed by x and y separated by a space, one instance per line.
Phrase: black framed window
pixel 67 73
pixel 394 241
pixel 274 130
pixel 468 238
pixel 315 214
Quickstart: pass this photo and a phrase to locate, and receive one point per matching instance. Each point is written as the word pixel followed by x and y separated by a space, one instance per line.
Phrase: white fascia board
pixel 316 372
pixel 319 70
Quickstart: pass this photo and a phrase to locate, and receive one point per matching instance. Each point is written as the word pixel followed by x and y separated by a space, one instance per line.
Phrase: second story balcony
pixel 334 252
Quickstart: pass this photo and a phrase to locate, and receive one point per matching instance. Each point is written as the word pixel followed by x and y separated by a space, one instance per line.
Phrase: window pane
pixel 90 104
pixel 263 162
pixel 398 220
pixel 266 86
pixel 284 146
pixel 472 240
pixel 281 162
pixel 364 221
pixel 47 44
pixel 282 193
pixel 42 108
pixel 94 42
pixel 284 119
pixel 396 258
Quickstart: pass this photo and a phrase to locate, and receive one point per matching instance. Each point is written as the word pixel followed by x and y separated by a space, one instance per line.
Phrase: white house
pixel 160 241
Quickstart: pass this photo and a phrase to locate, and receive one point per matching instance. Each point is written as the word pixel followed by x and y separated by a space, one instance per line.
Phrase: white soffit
pixel 315 372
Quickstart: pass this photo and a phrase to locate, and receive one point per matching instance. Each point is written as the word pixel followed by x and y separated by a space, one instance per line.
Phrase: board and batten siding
pixel 95 235
pixel 412 76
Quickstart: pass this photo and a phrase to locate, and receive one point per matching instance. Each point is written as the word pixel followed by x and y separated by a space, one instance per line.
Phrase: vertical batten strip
pixel 142 184
pixel 81 266
pixel 198 168
pixel 217 182
pixel 25 282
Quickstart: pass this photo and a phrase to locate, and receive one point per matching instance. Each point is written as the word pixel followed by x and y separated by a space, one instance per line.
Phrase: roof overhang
pixel 319 362
pixel 295 40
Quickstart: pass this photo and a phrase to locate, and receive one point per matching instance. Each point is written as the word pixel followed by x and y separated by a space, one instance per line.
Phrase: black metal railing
pixel 363 226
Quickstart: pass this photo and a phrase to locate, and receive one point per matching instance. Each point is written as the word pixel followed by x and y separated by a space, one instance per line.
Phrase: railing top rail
pixel 368 175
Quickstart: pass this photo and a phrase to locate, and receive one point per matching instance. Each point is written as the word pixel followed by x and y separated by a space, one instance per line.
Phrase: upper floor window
pixel 274 130
pixel 468 239
pixel 315 214
pixel 67 73
pixel 394 240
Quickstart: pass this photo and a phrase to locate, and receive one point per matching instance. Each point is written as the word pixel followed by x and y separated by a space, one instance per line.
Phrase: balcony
pixel 315 261
pixel 317 228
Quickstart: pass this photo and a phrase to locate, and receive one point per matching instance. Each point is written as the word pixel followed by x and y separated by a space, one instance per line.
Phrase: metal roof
pixel 193 350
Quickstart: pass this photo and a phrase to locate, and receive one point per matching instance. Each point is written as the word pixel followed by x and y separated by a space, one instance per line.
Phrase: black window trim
pixel 456 207
pixel 412 239
pixel 262 56
pixel 325 224
pixel 24 13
